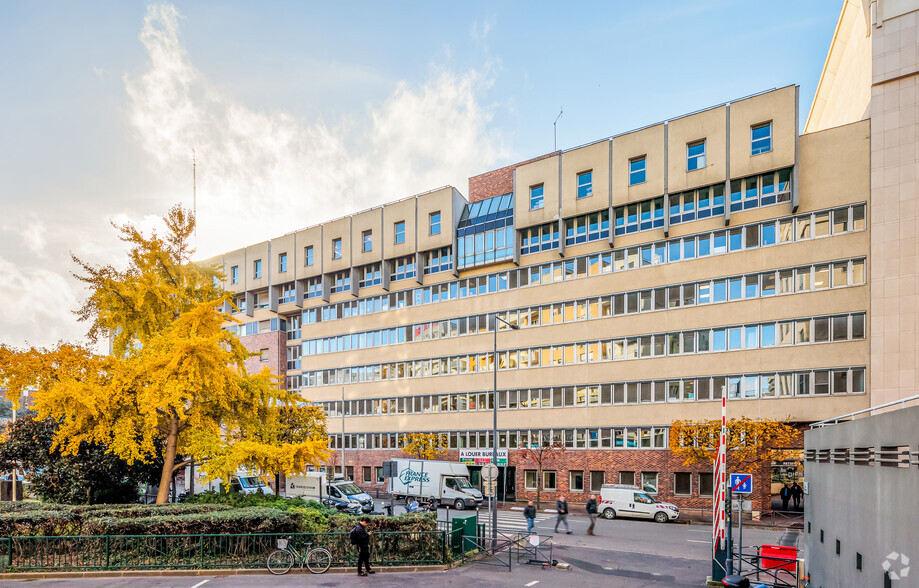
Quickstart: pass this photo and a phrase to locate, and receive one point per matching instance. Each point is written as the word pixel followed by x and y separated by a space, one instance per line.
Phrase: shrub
pixel 242 520
pixel 120 511
pixel 38 522
pixel 240 500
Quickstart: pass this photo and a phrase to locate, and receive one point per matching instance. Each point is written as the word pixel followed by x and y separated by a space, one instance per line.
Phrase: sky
pixel 299 112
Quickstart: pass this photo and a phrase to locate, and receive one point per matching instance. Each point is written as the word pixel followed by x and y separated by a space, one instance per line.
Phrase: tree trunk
pixel 277 484
pixel 538 487
pixel 168 461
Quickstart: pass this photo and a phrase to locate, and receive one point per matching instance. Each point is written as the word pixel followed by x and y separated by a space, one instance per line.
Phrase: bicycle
pixel 317 559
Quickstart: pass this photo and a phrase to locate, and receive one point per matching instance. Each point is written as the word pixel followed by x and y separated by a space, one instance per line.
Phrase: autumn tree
pixel 750 442
pixel 426 445
pixel 542 454
pixel 175 376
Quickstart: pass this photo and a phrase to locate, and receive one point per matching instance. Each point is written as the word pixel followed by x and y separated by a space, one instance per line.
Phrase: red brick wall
pixel 497 182
pixel 276 344
pixel 662 461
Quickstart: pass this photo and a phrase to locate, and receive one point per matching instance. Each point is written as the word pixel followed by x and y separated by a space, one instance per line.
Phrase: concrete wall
pixel 870 509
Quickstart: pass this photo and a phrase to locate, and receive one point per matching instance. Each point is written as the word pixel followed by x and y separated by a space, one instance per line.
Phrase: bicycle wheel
pixel 318 560
pixel 280 561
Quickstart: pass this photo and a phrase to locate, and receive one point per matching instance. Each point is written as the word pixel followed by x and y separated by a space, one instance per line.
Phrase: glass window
pixel 435 223
pixel 257 269
pixel 649 482
pixel 585 184
pixel 367 241
pixel 695 155
pixel 282 262
pixel 308 255
pixel 548 480
pixel 336 248
pixel 536 197
pixel 761 138
pixel 234 274
pixel 637 170
pixel 400 232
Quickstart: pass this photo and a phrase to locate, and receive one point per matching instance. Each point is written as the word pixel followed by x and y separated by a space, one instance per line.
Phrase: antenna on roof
pixel 555 127
pixel 194 191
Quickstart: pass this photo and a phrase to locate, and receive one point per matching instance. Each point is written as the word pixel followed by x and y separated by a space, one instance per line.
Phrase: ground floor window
pixel 548 480
pixel 649 482
pixel 529 479
pixel 576 481
pixel 368 474
pixel 596 481
pixel 627 478
pixel 706 484
pixel 682 483
pixel 349 473
pixel 379 474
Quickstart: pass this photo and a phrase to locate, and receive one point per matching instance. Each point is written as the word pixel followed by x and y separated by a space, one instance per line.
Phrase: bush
pixel 119 511
pixel 9 506
pixel 241 520
pixel 38 522
pixel 240 500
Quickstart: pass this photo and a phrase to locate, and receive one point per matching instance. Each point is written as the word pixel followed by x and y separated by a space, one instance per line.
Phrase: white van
pixel 622 500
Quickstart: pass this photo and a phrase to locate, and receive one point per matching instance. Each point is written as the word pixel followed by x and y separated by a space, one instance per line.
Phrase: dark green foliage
pixel 38 522
pixel 91 476
pixel 240 500
pixel 241 520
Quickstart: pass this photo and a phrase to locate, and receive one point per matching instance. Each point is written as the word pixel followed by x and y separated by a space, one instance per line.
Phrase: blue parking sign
pixel 741 483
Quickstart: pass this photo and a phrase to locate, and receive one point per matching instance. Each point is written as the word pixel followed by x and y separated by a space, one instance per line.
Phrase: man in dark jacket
pixel 796 494
pixel 785 495
pixel 592 513
pixel 360 538
pixel 529 513
pixel 561 507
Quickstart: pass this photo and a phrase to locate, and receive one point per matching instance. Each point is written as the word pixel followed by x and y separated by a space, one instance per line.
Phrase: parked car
pixel 622 500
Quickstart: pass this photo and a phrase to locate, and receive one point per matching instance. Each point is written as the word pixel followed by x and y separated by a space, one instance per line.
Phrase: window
pixel 400 232
pixel 336 248
pixel 529 479
pixel 576 481
pixel 379 472
pixel 536 199
pixel 585 184
pixel 341 281
pixel 548 480
pixel 435 223
pixel 370 275
pixel 706 484
pixel 257 269
pixel 438 260
pixel 640 216
pixel 695 155
pixel 649 482
pixel 627 478
pixel 234 274
pixel 541 238
pixel 761 138
pixel 367 241
pixel 282 262
pixel 590 227
pixel 637 169
pixel 367 473
pixel 263 355
pixel 485 232
pixel 682 483
pixel 349 473
pixel 308 255
pixel 403 268
pixel 596 481
pixel 288 293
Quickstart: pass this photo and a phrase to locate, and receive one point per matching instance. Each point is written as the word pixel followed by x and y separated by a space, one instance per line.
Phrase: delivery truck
pixel 245 481
pixel 315 486
pixel 443 481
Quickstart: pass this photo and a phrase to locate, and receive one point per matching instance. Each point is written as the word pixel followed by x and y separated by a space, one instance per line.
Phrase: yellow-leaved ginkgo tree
pixel 176 379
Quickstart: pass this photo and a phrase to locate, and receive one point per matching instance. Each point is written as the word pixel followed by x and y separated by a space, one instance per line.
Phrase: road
pixel 623 553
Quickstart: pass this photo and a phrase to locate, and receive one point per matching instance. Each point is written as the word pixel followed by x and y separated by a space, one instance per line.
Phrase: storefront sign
pixel 482 456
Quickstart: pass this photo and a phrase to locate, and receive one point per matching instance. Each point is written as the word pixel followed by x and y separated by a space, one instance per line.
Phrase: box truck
pixel 315 486
pixel 243 481
pixel 446 482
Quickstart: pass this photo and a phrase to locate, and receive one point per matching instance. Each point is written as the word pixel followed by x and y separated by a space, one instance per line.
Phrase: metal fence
pixel 118 552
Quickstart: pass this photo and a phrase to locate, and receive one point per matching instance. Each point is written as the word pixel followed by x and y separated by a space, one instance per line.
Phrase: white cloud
pixel 40 303
pixel 262 173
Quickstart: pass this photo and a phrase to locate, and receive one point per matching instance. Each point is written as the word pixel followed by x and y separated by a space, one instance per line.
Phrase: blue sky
pixel 303 111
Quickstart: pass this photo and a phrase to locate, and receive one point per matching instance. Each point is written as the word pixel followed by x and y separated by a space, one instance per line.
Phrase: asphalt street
pixel 623 553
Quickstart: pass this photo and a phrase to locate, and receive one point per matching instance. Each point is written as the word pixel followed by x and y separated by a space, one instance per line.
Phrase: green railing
pixel 143 552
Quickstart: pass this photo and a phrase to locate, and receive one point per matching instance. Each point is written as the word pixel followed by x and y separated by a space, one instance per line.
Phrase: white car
pixel 621 500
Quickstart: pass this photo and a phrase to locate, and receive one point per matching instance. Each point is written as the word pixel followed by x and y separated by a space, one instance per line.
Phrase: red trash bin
pixel 779 557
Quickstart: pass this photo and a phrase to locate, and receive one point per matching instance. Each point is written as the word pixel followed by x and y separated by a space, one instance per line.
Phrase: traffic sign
pixel 742 483
pixel 489 472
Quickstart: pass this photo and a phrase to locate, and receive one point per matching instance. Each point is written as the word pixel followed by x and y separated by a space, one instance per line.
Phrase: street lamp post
pixel 494 428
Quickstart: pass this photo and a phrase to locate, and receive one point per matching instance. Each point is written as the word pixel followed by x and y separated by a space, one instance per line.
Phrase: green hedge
pixel 241 520
pixel 39 522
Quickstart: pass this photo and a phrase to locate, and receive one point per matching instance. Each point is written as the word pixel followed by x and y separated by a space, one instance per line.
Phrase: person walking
pixel 592 513
pixel 360 538
pixel 785 495
pixel 561 508
pixel 529 513
pixel 796 494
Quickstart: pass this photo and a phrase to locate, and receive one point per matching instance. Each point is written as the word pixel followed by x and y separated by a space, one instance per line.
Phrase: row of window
pixel 587 228
pixel 603 438
pixel 823 382
pixel 801 331
pixel 485 232
pixel 761 190
pixel 774 232
pixel 539 238
pixel 438 260
pixel 838 274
